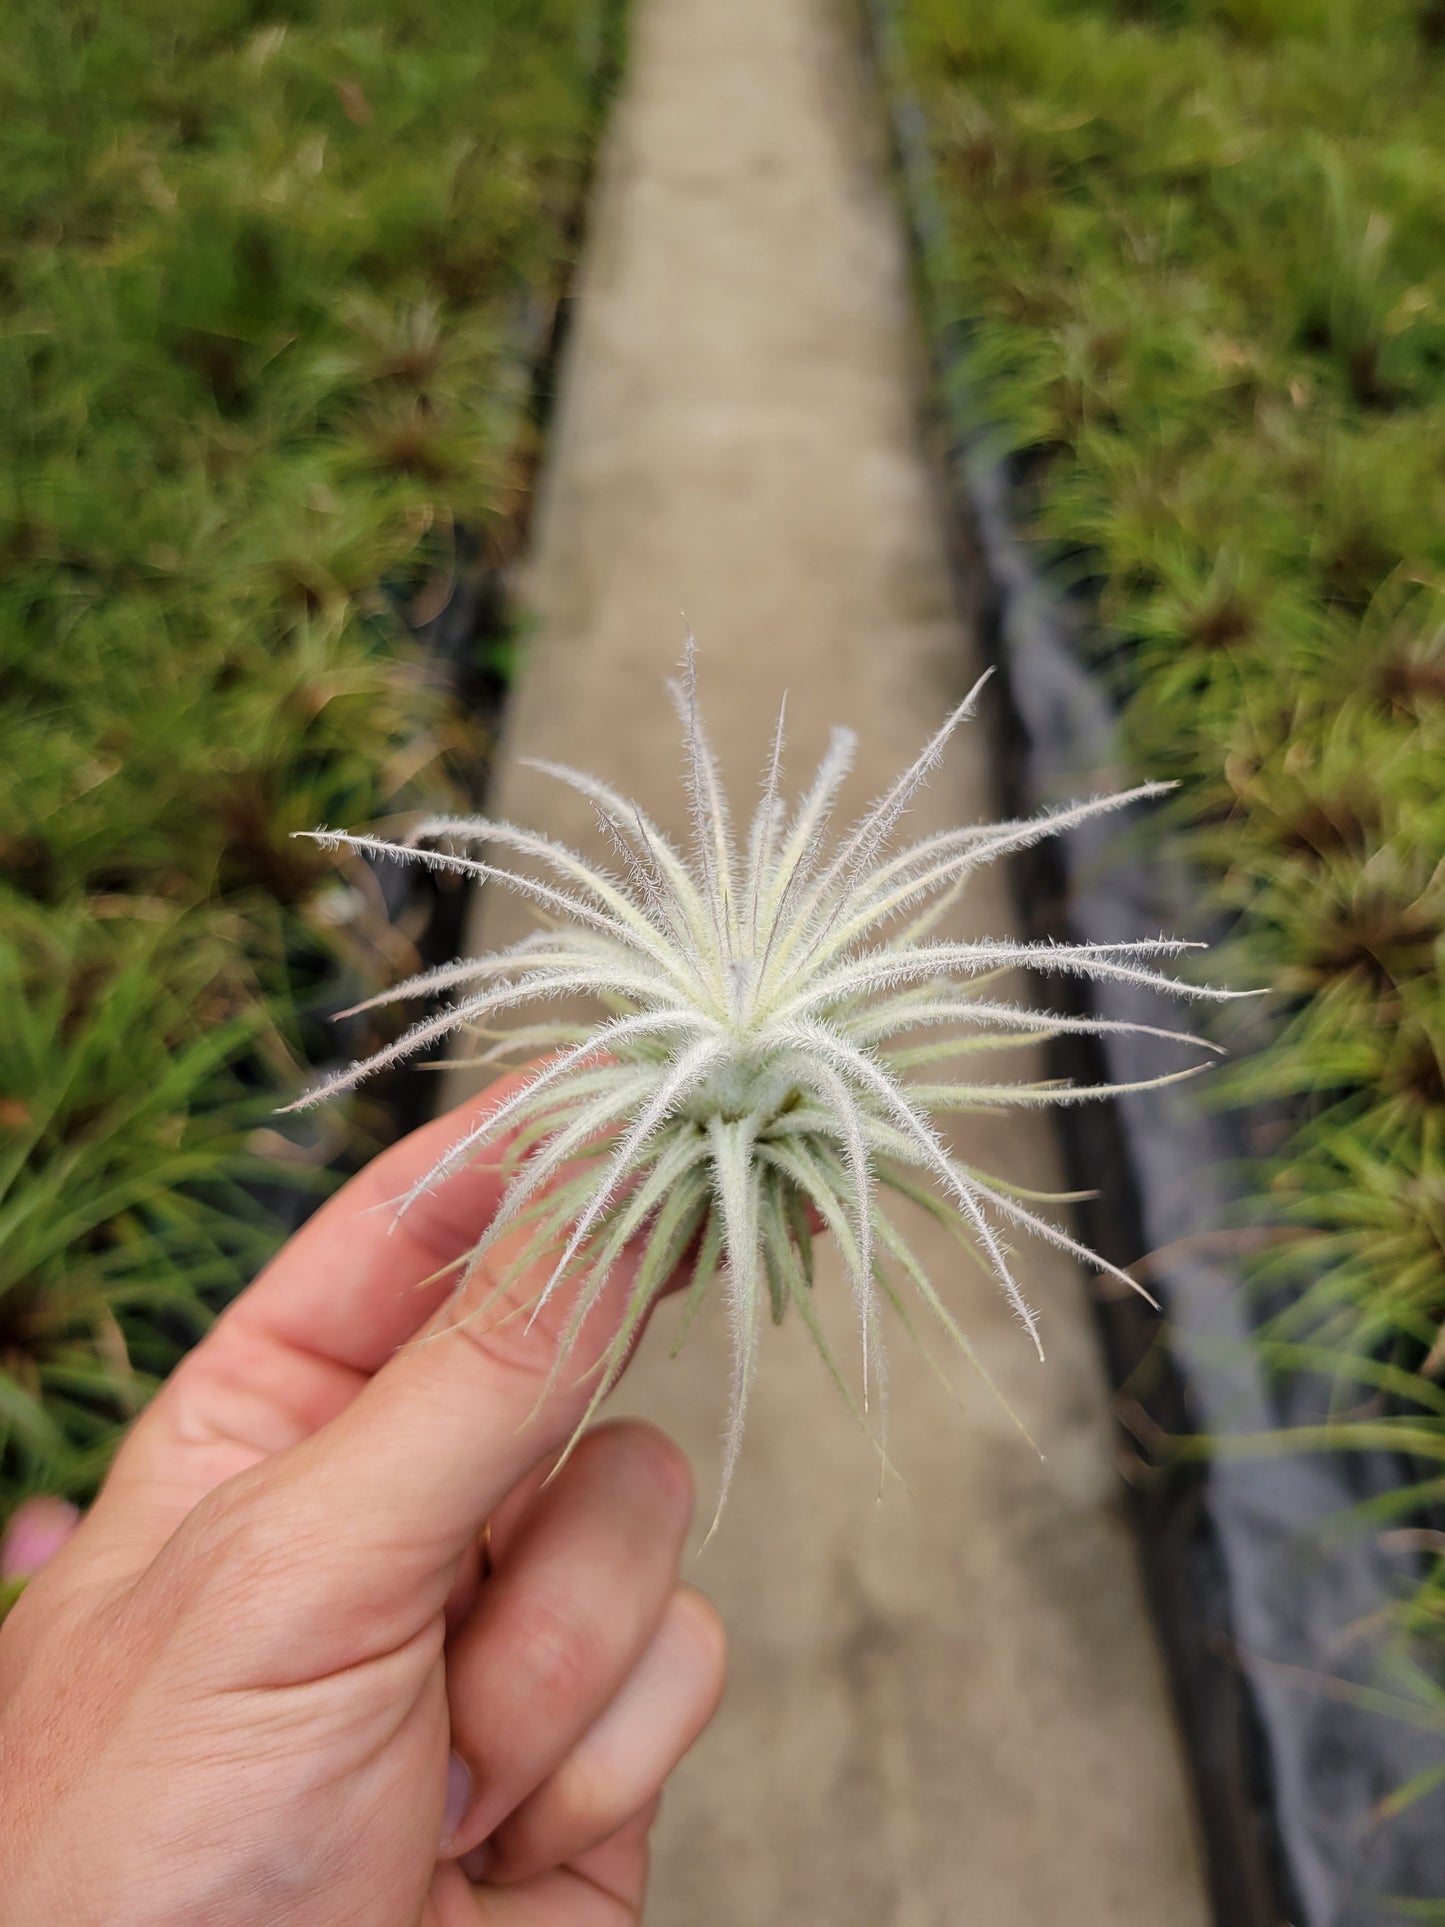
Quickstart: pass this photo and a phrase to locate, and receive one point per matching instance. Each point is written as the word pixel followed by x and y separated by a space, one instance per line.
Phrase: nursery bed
pixel 282 297
pixel 1316 1742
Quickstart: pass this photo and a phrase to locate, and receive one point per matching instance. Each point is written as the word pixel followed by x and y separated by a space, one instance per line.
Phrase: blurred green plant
pixel 271 278
pixel 1199 253
pixel 122 1156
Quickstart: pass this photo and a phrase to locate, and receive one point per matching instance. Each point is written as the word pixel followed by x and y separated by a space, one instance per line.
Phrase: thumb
pixel 372 1514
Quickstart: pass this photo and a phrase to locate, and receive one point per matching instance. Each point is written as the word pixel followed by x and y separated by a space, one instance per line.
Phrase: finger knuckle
pixel 587 1797
pixel 700 1626
pixel 505 1345
pixel 670 1470
pixel 559 1657
pixel 646 1457
pixel 237 1541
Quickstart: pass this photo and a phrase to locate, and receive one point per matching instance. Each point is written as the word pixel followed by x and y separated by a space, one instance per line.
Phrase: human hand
pixel 266 1679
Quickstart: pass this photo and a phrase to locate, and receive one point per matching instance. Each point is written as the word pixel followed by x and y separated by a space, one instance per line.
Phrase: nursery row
pixel 272 280
pixel 1198 257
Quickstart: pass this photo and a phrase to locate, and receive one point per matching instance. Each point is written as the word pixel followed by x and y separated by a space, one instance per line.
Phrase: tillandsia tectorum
pixel 753 1076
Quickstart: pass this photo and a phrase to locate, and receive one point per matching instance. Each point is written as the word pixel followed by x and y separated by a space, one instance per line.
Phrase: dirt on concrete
pixel 946 1705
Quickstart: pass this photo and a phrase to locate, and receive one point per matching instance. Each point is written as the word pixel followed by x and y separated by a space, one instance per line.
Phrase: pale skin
pixel 265 1680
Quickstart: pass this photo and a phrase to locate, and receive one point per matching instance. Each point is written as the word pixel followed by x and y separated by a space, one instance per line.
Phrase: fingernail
pixel 37 1532
pixel 459 1796
pixel 477 1864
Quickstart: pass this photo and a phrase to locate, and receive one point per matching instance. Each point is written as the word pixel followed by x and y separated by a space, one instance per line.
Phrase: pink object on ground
pixel 37 1532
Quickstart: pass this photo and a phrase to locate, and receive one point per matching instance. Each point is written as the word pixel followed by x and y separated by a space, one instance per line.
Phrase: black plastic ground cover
pixel 462 619
pixel 1269 1605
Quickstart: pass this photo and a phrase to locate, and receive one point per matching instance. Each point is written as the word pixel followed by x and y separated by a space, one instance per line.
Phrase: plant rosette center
pixel 744 1087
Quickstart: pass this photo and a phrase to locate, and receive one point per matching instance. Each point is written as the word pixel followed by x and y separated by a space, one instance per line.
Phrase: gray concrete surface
pixel 946 1706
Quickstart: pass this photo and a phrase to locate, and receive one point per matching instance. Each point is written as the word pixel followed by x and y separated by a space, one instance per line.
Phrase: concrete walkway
pixel 946 1707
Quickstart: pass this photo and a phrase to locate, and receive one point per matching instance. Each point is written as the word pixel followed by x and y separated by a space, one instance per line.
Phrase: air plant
pixel 752 1078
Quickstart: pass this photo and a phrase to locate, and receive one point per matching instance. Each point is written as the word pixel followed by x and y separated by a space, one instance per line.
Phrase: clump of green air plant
pixel 752 1076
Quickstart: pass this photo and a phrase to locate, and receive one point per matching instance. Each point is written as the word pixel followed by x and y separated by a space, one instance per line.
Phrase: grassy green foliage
pixel 1201 251
pixel 269 274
